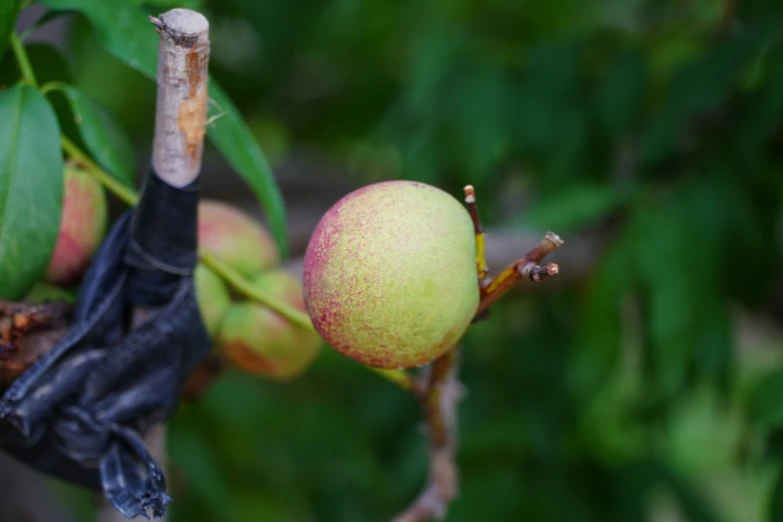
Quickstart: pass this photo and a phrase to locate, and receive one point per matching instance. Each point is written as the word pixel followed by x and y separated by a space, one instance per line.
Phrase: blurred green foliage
pixel 628 395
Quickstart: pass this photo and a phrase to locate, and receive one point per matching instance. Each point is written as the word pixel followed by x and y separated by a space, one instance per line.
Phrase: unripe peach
pixel 213 298
pixel 235 238
pixel 262 342
pixel 82 228
pixel 390 274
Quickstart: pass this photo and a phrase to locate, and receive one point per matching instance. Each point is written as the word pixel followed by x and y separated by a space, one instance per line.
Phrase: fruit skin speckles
pixel 390 276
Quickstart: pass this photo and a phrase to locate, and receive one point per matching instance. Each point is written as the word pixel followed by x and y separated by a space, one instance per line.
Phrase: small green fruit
pixel 82 228
pixel 235 238
pixel 390 274
pixel 260 341
pixel 213 298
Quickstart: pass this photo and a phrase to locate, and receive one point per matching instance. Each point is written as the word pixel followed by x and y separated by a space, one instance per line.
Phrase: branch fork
pixel 441 391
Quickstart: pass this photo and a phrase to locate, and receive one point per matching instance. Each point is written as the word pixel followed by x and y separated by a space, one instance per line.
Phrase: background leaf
pixel 9 11
pixel 232 137
pixel 776 499
pixel 575 207
pixel 123 28
pixel 105 140
pixel 765 408
pixel 31 188
pixel 620 93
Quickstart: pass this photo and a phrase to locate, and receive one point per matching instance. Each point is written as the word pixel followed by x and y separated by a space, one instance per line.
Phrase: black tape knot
pixel 81 411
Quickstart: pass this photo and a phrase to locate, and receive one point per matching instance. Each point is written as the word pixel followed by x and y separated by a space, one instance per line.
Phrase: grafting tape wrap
pixel 81 411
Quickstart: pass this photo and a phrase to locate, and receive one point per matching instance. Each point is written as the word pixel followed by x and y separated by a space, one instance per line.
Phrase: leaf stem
pixel 23 61
pixel 398 377
pixel 239 283
pixel 52 86
pixel 125 193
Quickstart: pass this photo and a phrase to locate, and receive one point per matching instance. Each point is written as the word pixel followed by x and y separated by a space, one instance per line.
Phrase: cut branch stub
pixel 181 115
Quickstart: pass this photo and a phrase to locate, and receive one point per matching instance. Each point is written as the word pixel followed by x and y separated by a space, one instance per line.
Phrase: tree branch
pixel 439 406
pixel 181 110
pixel 443 391
pixel 525 268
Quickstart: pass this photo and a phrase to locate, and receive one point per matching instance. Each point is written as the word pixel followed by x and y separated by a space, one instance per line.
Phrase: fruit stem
pixel 52 86
pixel 398 377
pixel 240 284
pixel 125 193
pixel 231 276
pixel 23 61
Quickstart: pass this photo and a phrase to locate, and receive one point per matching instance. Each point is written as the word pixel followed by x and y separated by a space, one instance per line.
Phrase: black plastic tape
pixel 80 413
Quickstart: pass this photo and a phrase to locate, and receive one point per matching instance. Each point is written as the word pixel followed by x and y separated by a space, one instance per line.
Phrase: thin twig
pixel 443 391
pixel 527 268
pixel 439 406
pixel 481 258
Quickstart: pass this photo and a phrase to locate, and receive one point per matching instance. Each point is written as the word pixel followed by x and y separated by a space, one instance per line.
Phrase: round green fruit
pixel 260 341
pixel 390 274
pixel 235 238
pixel 83 225
pixel 213 298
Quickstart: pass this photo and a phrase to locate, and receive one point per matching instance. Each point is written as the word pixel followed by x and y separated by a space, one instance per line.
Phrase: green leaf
pixel 477 126
pixel 9 11
pixel 42 292
pixel 31 188
pixel 698 87
pixel 620 93
pixel 576 206
pixel 667 294
pixel 602 330
pixel 105 140
pixel 233 138
pixel 48 62
pixel 776 498
pixel 694 505
pixel 764 406
pixel 123 28
pixel 764 109
pixel 542 101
